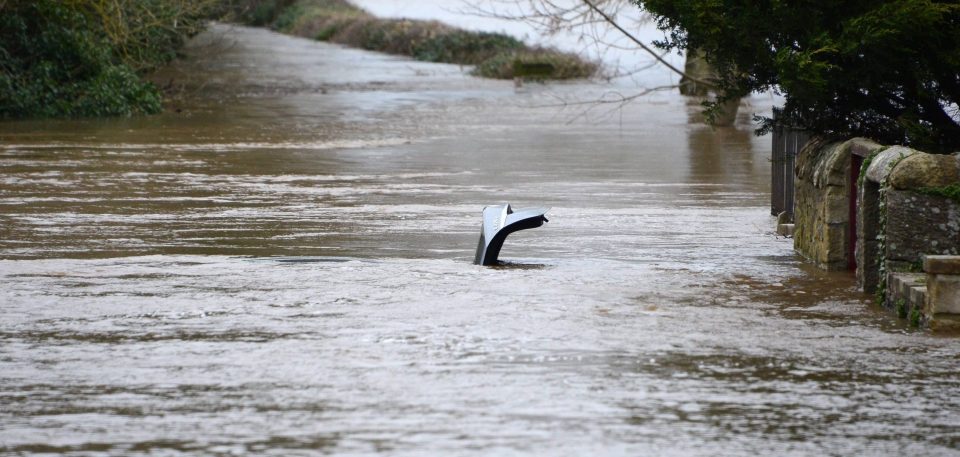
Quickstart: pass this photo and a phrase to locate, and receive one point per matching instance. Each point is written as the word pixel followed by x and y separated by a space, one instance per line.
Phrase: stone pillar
pixel 942 310
pixel 866 251
pixel 868 230
pixel 821 204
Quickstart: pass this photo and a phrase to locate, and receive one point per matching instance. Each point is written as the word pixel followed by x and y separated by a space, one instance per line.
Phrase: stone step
pixel 907 294
pixel 785 230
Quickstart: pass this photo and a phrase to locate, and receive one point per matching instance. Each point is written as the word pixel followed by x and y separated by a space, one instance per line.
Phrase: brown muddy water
pixel 281 265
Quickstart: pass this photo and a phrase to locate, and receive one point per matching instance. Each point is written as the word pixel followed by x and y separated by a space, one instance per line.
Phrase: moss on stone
pixel 951 192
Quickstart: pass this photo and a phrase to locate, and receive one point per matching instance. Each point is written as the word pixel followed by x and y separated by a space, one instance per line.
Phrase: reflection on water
pixel 284 268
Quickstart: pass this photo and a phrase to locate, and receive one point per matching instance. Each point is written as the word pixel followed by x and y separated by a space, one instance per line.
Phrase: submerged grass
pixel 495 55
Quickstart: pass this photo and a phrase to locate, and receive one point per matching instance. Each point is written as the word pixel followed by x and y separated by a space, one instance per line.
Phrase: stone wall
pixel 822 201
pixel 871 215
pixel 899 219
pixel 918 225
pixel 903 220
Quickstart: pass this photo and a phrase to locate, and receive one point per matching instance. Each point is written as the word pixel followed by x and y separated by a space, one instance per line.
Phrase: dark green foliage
pixel 85 57
pixel 251 12
pixel 263 13
pixel 885 69
pixel 55 64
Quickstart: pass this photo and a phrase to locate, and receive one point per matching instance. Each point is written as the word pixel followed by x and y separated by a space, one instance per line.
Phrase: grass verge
pixel 495 55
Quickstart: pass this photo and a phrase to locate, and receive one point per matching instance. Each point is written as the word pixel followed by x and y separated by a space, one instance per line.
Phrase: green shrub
pixel 263 13
pixel 916 317
pixel 882 69
pixel 85 57
pixel 287 18
pixel 56 64
pixel 901 308
pixel 508 65
pixel 307 18
pixel 460 46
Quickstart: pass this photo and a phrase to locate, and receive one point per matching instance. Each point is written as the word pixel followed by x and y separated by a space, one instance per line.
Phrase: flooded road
pixel 281 265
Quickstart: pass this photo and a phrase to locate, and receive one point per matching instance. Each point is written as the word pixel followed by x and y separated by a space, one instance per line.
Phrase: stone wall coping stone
pixel 832 167
pixel 882 163
pixel 942 264
pixel 863 147
pixel 924 170
pixel 810 157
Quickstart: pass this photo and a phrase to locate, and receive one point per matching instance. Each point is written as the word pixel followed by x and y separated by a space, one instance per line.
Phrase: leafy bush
pixel 460 46
pixel 84 57
pixel 55 64
pixel 261 13
pixel 543 64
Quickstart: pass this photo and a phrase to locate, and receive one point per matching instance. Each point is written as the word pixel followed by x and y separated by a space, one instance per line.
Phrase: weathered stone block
pixel 919 225
pixel 943 294
pixel 942 264
pixel 901 283
pixel 868 225
pixel 821 205
pixel 944 323
pixel 924 170
pixel 906 290
pixel 880 167
pixel 809 158
pixel 863 147
pixel 836 208
pixel 918 297
pixel 834 168
pixel 868 274
pixel 785 230
pixel 834 246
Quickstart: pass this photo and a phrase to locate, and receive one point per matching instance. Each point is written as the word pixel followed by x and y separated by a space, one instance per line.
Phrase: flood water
pixel 281 265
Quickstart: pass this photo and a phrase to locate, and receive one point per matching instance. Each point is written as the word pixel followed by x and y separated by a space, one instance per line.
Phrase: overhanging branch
pixel 644 46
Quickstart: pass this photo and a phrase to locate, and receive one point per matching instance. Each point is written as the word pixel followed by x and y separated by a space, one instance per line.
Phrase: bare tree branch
pixel 592 20
pixel 644 46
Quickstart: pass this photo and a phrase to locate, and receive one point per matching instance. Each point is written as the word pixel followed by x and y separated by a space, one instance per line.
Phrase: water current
pixel 281 265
